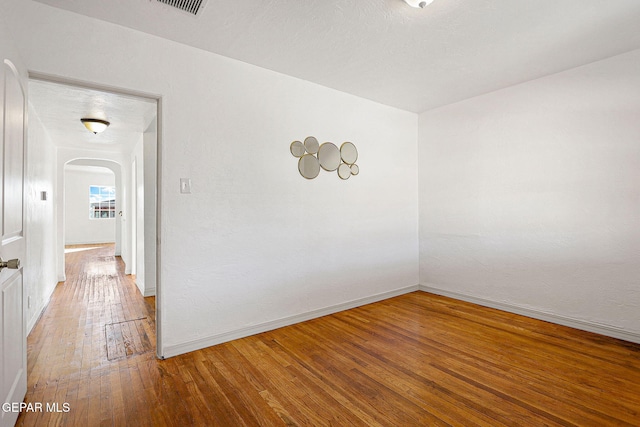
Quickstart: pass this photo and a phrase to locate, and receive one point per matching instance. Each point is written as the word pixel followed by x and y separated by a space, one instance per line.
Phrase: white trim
pixel 32 323
pixel 176 349
pixel 150 292
pixel 89 242
pixel 40 311
pixel 37 315
pixel 607 330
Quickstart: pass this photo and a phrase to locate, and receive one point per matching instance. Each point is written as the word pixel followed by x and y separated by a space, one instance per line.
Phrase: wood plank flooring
pixel 415 360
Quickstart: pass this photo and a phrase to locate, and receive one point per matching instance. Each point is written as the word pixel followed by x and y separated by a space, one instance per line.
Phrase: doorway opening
pixel 105 184
pixel 90 203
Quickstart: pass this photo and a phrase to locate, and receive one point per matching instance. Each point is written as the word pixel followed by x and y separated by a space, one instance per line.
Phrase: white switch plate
pixel 185 185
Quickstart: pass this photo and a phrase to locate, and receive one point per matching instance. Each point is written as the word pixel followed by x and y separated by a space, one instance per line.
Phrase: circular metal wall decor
pixel 329 156
pixel 349 153
pixel 312 157
pixel 309 166
pixel 311 145
pixel 344 171
pixel 297 149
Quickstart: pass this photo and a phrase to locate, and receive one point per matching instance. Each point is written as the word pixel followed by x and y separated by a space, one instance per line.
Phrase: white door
pixel 13 353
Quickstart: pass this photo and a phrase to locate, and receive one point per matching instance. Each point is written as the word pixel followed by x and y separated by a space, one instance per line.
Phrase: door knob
pixel 12 263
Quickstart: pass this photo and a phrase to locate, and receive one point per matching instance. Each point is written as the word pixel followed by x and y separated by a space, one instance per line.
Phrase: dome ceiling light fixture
pixel 95 125
pixel 421 4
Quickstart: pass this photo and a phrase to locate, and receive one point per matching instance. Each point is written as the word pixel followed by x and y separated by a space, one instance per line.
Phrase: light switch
pixel 185 185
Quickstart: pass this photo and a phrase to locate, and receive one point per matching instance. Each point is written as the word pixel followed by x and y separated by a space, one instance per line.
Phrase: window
pixel 102 201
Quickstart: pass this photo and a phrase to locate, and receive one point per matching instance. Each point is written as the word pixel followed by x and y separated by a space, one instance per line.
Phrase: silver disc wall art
pixel 311 145
pixel 329 156
pixel 297 149
pixel 349 153
pixel 309 166
pixel 313 156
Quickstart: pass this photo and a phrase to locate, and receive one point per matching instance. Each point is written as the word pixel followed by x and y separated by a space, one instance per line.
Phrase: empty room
pixel 338 212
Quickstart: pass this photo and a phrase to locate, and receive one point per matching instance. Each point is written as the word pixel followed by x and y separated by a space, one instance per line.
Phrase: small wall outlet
pixel 29 301
pixel 43 195
pixel 185 185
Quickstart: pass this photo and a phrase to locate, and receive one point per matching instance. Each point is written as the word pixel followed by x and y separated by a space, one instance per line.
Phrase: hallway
pixel 92 341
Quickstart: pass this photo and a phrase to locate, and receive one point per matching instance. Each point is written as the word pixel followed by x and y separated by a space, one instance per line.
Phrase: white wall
pixel 137 214
pixel 143 205
pixel 40 266
pixel 530 196
pixel 79 228
pixel 39 216
pixel 255 245
pixel 150 157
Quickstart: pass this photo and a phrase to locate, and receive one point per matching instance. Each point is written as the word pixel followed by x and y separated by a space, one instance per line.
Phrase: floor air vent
pixel 189 6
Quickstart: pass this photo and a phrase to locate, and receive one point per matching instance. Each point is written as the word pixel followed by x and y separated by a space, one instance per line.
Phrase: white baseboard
pixel 32 322
pixel 607 330
pixel 38 314
pixel 176 349
pixel 89 242
pixel 151 292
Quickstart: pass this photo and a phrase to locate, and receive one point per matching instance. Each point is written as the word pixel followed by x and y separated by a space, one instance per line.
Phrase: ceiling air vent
pixel 189 6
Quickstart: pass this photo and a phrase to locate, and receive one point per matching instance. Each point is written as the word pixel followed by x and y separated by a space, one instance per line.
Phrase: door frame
pixel 34 75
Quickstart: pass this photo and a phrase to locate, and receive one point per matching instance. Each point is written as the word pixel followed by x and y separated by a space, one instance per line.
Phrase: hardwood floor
pixel 415 360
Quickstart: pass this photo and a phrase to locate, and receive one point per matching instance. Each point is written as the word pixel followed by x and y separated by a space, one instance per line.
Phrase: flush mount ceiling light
pixel 418 3
pixel 95 125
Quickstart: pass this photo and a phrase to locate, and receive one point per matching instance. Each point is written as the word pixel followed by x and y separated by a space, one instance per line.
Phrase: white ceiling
pixel 386 51
pixel 60 107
